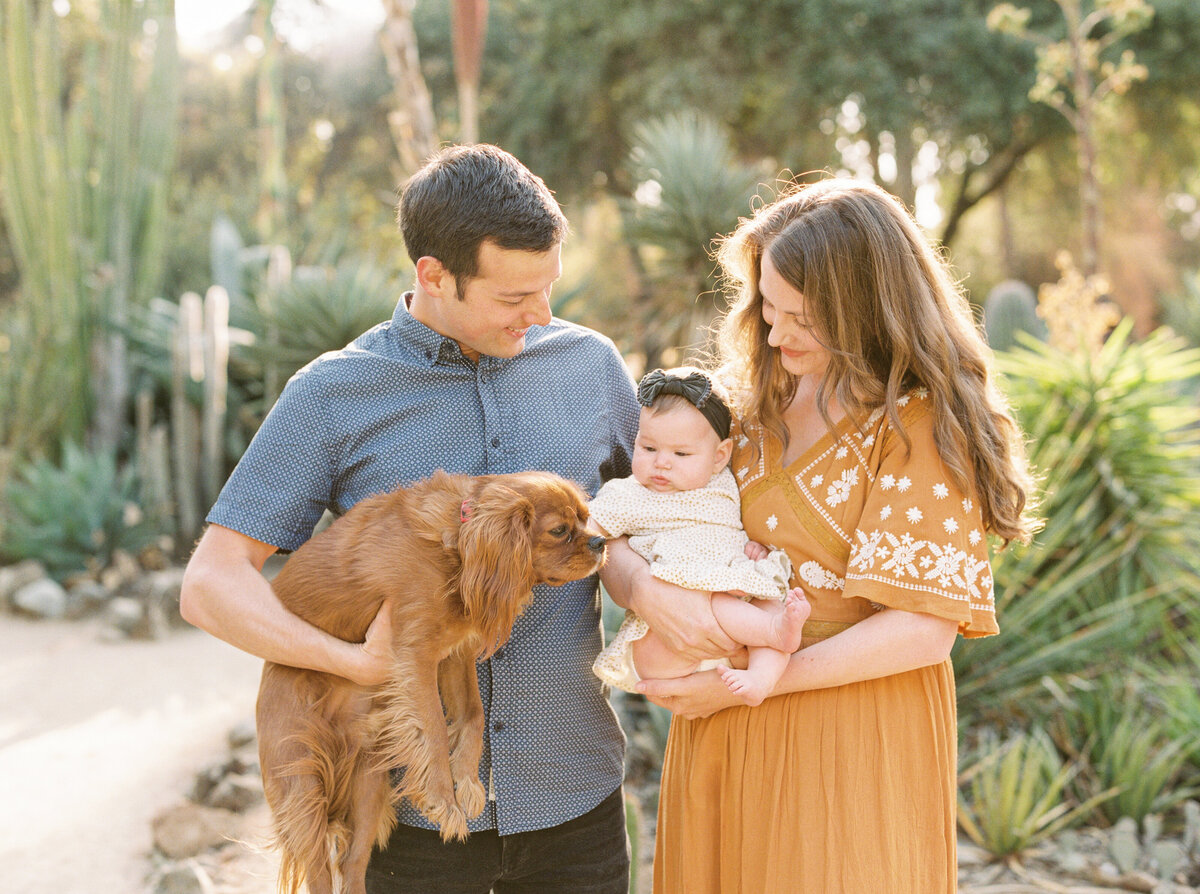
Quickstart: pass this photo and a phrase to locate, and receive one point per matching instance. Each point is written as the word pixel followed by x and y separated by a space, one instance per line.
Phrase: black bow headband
pixel 696 388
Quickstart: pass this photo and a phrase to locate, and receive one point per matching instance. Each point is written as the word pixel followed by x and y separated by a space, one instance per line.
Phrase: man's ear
pixel 724 452
pixel 435 279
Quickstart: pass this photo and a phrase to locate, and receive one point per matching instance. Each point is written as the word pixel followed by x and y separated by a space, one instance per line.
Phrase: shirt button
pixel 495 442
pixel 498 726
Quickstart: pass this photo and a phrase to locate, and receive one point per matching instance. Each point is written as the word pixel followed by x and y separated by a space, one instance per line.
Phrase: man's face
pixel 510 293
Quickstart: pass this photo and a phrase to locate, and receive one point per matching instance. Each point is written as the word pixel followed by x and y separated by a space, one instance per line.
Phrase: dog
pixel 461 555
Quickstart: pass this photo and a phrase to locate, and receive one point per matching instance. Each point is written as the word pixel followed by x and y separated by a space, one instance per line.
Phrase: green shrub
pixel 72 517
pixel 1117 566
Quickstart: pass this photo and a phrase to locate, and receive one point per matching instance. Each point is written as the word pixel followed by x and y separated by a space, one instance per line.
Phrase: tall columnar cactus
pixel 84 192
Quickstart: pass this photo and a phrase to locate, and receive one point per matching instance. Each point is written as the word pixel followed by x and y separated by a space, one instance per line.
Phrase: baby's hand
pixel 756 551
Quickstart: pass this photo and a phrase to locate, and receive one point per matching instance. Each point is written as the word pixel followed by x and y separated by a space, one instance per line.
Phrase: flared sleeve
pixel 920 544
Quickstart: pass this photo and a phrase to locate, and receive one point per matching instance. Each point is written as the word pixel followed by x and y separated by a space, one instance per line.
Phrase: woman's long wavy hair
pixel 885 305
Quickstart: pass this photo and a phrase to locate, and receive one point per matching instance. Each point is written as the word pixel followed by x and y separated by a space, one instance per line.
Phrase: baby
pixel 681 512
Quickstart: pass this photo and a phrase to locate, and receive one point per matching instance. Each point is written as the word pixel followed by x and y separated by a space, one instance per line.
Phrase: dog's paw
pixel 471 796
pixel 450 820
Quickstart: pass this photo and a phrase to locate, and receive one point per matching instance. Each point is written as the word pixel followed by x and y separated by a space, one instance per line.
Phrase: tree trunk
pixel 468 30
pixel 411 119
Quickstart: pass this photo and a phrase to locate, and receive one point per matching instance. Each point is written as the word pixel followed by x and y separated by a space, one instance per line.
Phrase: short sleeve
pixel 920 544
pixel 283 482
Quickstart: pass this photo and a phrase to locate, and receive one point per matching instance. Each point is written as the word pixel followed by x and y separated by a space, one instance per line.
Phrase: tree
pixel 1073 78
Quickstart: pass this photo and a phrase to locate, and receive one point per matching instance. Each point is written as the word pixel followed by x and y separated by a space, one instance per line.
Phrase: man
pixel 471 375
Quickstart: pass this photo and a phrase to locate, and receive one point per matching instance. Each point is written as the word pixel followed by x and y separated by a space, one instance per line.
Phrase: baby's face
pixel 677 450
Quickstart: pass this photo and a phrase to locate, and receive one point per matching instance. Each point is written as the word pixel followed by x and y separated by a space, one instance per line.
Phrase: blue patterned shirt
pixel 392 407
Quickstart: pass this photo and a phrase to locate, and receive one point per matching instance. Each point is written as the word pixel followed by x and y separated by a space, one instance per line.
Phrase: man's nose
pixel 539 314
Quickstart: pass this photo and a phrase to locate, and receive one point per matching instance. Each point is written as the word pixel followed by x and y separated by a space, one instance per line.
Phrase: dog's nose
pixel 596 543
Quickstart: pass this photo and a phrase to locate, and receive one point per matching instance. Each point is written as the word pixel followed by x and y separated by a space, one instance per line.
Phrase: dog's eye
pixel 559 531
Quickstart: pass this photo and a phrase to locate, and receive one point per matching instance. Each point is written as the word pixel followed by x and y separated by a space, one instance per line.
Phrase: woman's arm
pixel 889 642
pixel 683 618
pixel 225 593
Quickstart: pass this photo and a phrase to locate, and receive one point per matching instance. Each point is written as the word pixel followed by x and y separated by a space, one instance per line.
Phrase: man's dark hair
pixel 467 194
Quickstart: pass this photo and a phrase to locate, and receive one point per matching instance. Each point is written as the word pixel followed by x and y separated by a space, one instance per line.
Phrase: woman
pixel 874 449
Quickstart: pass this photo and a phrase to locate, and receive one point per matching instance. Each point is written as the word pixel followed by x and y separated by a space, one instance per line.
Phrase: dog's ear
pixel 496 549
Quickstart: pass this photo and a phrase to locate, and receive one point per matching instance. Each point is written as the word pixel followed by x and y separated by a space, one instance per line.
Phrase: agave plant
pixel 1016 793
pixel 72 516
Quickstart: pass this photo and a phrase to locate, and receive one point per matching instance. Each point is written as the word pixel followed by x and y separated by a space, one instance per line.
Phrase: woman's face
pixel 783 310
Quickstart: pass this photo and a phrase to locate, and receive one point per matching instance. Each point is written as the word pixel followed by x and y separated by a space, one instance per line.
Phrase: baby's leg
pixel 756 682
pixel 763 622
pixel 654 660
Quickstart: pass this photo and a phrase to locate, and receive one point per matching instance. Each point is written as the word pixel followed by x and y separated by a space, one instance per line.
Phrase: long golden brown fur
pixel 326 744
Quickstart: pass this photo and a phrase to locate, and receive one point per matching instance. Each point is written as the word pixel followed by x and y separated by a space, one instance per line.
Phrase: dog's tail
pixel 310 829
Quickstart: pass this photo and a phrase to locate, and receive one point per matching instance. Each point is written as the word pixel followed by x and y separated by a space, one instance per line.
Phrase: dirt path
pixel 97 737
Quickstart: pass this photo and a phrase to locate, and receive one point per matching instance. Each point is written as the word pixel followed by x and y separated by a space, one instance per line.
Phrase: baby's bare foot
pixel 787 627
pixel 744 685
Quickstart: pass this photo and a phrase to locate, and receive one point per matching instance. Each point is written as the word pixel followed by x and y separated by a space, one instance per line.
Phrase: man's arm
pixel 225 593
pixel 683 618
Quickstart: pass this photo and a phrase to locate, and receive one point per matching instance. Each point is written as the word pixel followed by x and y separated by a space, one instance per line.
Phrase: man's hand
pixel 682 618
pixel 375 661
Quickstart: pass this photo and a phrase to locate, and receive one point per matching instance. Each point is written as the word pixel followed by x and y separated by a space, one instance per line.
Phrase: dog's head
pixel 517 531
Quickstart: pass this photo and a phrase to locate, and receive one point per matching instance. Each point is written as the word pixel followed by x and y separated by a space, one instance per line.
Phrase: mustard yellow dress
pixel 849 790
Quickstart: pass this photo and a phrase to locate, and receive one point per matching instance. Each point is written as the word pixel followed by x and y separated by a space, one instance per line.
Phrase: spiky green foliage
pixel 1117 730
pixel 85 151
pixel 1016 793
pixel 1117 567
pixel 71 517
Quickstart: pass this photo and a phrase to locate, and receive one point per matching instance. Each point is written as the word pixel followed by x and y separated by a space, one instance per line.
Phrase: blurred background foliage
pixel 185 225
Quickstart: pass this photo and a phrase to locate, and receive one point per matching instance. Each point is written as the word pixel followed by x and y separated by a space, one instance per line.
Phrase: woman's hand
pixel 696 695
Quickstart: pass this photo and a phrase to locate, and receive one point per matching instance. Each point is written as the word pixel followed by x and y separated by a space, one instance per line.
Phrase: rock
pixel 970 855
pixel 243 734
pixel 188 877
pixel 126 615
pixel 206 780
pixel 237 792
pixel 159 592
pixel 14 577
pixel 122 571
pixel 191 829
pixel 44 598
pixel 85 597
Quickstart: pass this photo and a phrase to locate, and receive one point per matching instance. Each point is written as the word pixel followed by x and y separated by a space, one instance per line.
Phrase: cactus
pixel 84 190
pixel 1010 308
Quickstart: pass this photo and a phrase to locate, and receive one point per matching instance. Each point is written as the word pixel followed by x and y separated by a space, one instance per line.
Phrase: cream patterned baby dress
pixel 693 539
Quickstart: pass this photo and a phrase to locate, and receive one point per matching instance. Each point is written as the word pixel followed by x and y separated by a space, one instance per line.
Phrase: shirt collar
pixel 431 348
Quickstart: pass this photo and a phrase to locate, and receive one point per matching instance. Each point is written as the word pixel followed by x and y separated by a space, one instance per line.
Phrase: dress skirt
pixel 850 790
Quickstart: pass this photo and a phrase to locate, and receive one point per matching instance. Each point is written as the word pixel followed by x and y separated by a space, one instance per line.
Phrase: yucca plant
pixel 1116 567
pixel 689 187
pixel 72 516
pixel 1017 793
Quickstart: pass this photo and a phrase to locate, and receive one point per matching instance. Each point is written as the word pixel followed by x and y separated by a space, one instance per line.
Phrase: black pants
pixel 586 855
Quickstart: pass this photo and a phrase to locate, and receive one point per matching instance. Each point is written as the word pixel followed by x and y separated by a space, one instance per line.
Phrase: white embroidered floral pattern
pixel 887 482
pixel 885 513
pixel 772 523
pixel 950 525
pixel 839 491
pixel 974 537
pixel 820 578
pixel 914 515
pixel 941 491
pixel 816 480
pixel 904 484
